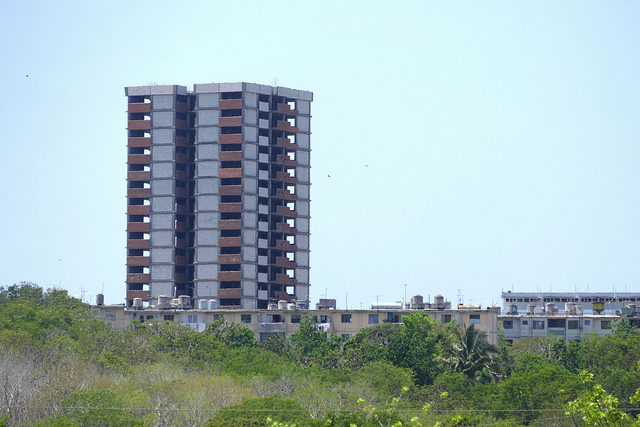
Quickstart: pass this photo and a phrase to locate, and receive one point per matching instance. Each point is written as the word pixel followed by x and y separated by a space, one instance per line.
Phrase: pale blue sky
pixel 501 137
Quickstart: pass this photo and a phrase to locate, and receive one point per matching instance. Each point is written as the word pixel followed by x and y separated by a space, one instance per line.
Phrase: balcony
pixel 285 160
pixel 229 293
pixel 286 143
pixel 137 244
pixel 230 207
pixel 230 173
pixel 285 263
pixel 139 159
pixel 140 141
pixel 230 156
pixel 138 294
pixel 137 278
pixel 230 259
pixel 230 224
pixel 230 121
pixel 224 276
pixel 230 138
pixel 138 261
pixel 285 194
pixel 230 104
pixel 229 241
pixel 138 210
pixel 285 177
pixel 139 107
pixel 139 125
pixel 285 109
pixel 138 193
pixel 283 227
pixel 285 246
pixel 139 176
pixel 229 190
pixel 138 227
pixel 283 279
pixel 286 127
pixel 285 211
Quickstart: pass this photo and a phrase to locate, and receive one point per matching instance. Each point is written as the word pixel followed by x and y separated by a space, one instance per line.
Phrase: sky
pixel 459 148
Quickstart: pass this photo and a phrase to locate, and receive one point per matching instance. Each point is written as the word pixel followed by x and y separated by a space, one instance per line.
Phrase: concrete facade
pixel 218 194
pixel 265 323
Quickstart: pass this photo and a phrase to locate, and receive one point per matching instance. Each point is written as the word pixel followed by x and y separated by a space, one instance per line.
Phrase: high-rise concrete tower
pixel 218 193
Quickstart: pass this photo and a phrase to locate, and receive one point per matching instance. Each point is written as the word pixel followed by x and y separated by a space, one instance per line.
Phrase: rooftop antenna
pixel 346 301
pixel 460 296
pixel 83 292
pixel 404 303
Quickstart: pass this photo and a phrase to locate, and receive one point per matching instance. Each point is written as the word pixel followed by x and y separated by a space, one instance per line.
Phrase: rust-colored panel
pixel 138 227
pixel 283 193
pixel 181 260
pixel 285 177
pixel 181 244
pixel 181 124
pixel 286 127
pixel 181 210
pixel 229 276
pixel 229 241
pixel 181 158
pixel 285 143
pixel 285 160
pixel 230 138
pixel 181 141
pixel 285 263
pixel 230 156
pixel 230 207
pixel 139 125
pixel 181 227
pixel 280 295
pixel 229 293
pixel 137 278
pixel 230 224
pixel 230 259
pixel 139 141
pixel 230 121
pixel 138 210
pixel 138 193
pixel 137 244
pixel 230 104
pixel 181 107
pixel 139 159
pixel 283 279
pixel 230 173
pixel 138 261
pixel 139 107
pixel 283 227
pixel 181 192
pixel 285 211
pixel 139 176
pixel 285 246
pixel 138 294
pixel 180 277
pixel 229 190
pixel 285 109
pixel 181 175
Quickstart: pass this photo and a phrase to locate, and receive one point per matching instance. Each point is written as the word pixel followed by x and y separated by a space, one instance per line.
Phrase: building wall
pixel 516 327
pixel 263 323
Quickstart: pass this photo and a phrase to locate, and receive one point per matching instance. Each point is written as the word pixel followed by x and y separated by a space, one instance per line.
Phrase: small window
pixel 295 318
pixel 474 319
pixel 192 318
pixel 110 315
pixel 168 317
pixel 445 318
pixel 538 324
pixel 507 324
pixel 345 318
pixel 605 324
pixel 141 318
pixel 572 324
pixel 217 317
pixel 587 322
pixel 525 323
pixel 373 319
pixel 245 318
pixel 150 317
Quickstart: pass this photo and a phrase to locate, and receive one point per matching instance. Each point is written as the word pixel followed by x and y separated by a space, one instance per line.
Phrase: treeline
pixel 59 366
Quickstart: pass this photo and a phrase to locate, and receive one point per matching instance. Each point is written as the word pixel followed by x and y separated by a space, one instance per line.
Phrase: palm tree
pixel 469 352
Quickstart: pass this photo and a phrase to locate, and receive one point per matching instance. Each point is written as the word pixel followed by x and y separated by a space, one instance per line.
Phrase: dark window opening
pixel 231 95
pixel 229 164
pixel 230 250
pixel 555 323
pixel 507 324
pixel 245 318
pixel 231 284
pixel 224 302
pixel 230 113
pixel 230 215
pixel 229 267
pixel 225 130
pixel 230 181
pixel 230 147
pixel 229 233
pixel 231 199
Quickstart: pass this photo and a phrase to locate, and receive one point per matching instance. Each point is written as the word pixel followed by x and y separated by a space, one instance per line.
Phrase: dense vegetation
pixel 59 366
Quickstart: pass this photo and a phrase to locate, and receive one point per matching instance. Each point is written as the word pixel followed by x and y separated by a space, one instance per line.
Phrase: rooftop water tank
pixel 203 304
pixel 282 304
pixel 137 303
pixel 163 302
pixel 213 304
pixel 100 299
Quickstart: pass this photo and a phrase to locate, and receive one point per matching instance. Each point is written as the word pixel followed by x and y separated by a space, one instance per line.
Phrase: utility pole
pixel 405 296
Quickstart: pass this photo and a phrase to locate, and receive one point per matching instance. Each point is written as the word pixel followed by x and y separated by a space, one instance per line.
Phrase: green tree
pixel 469 352
pixel 368 345
pixel 595 407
